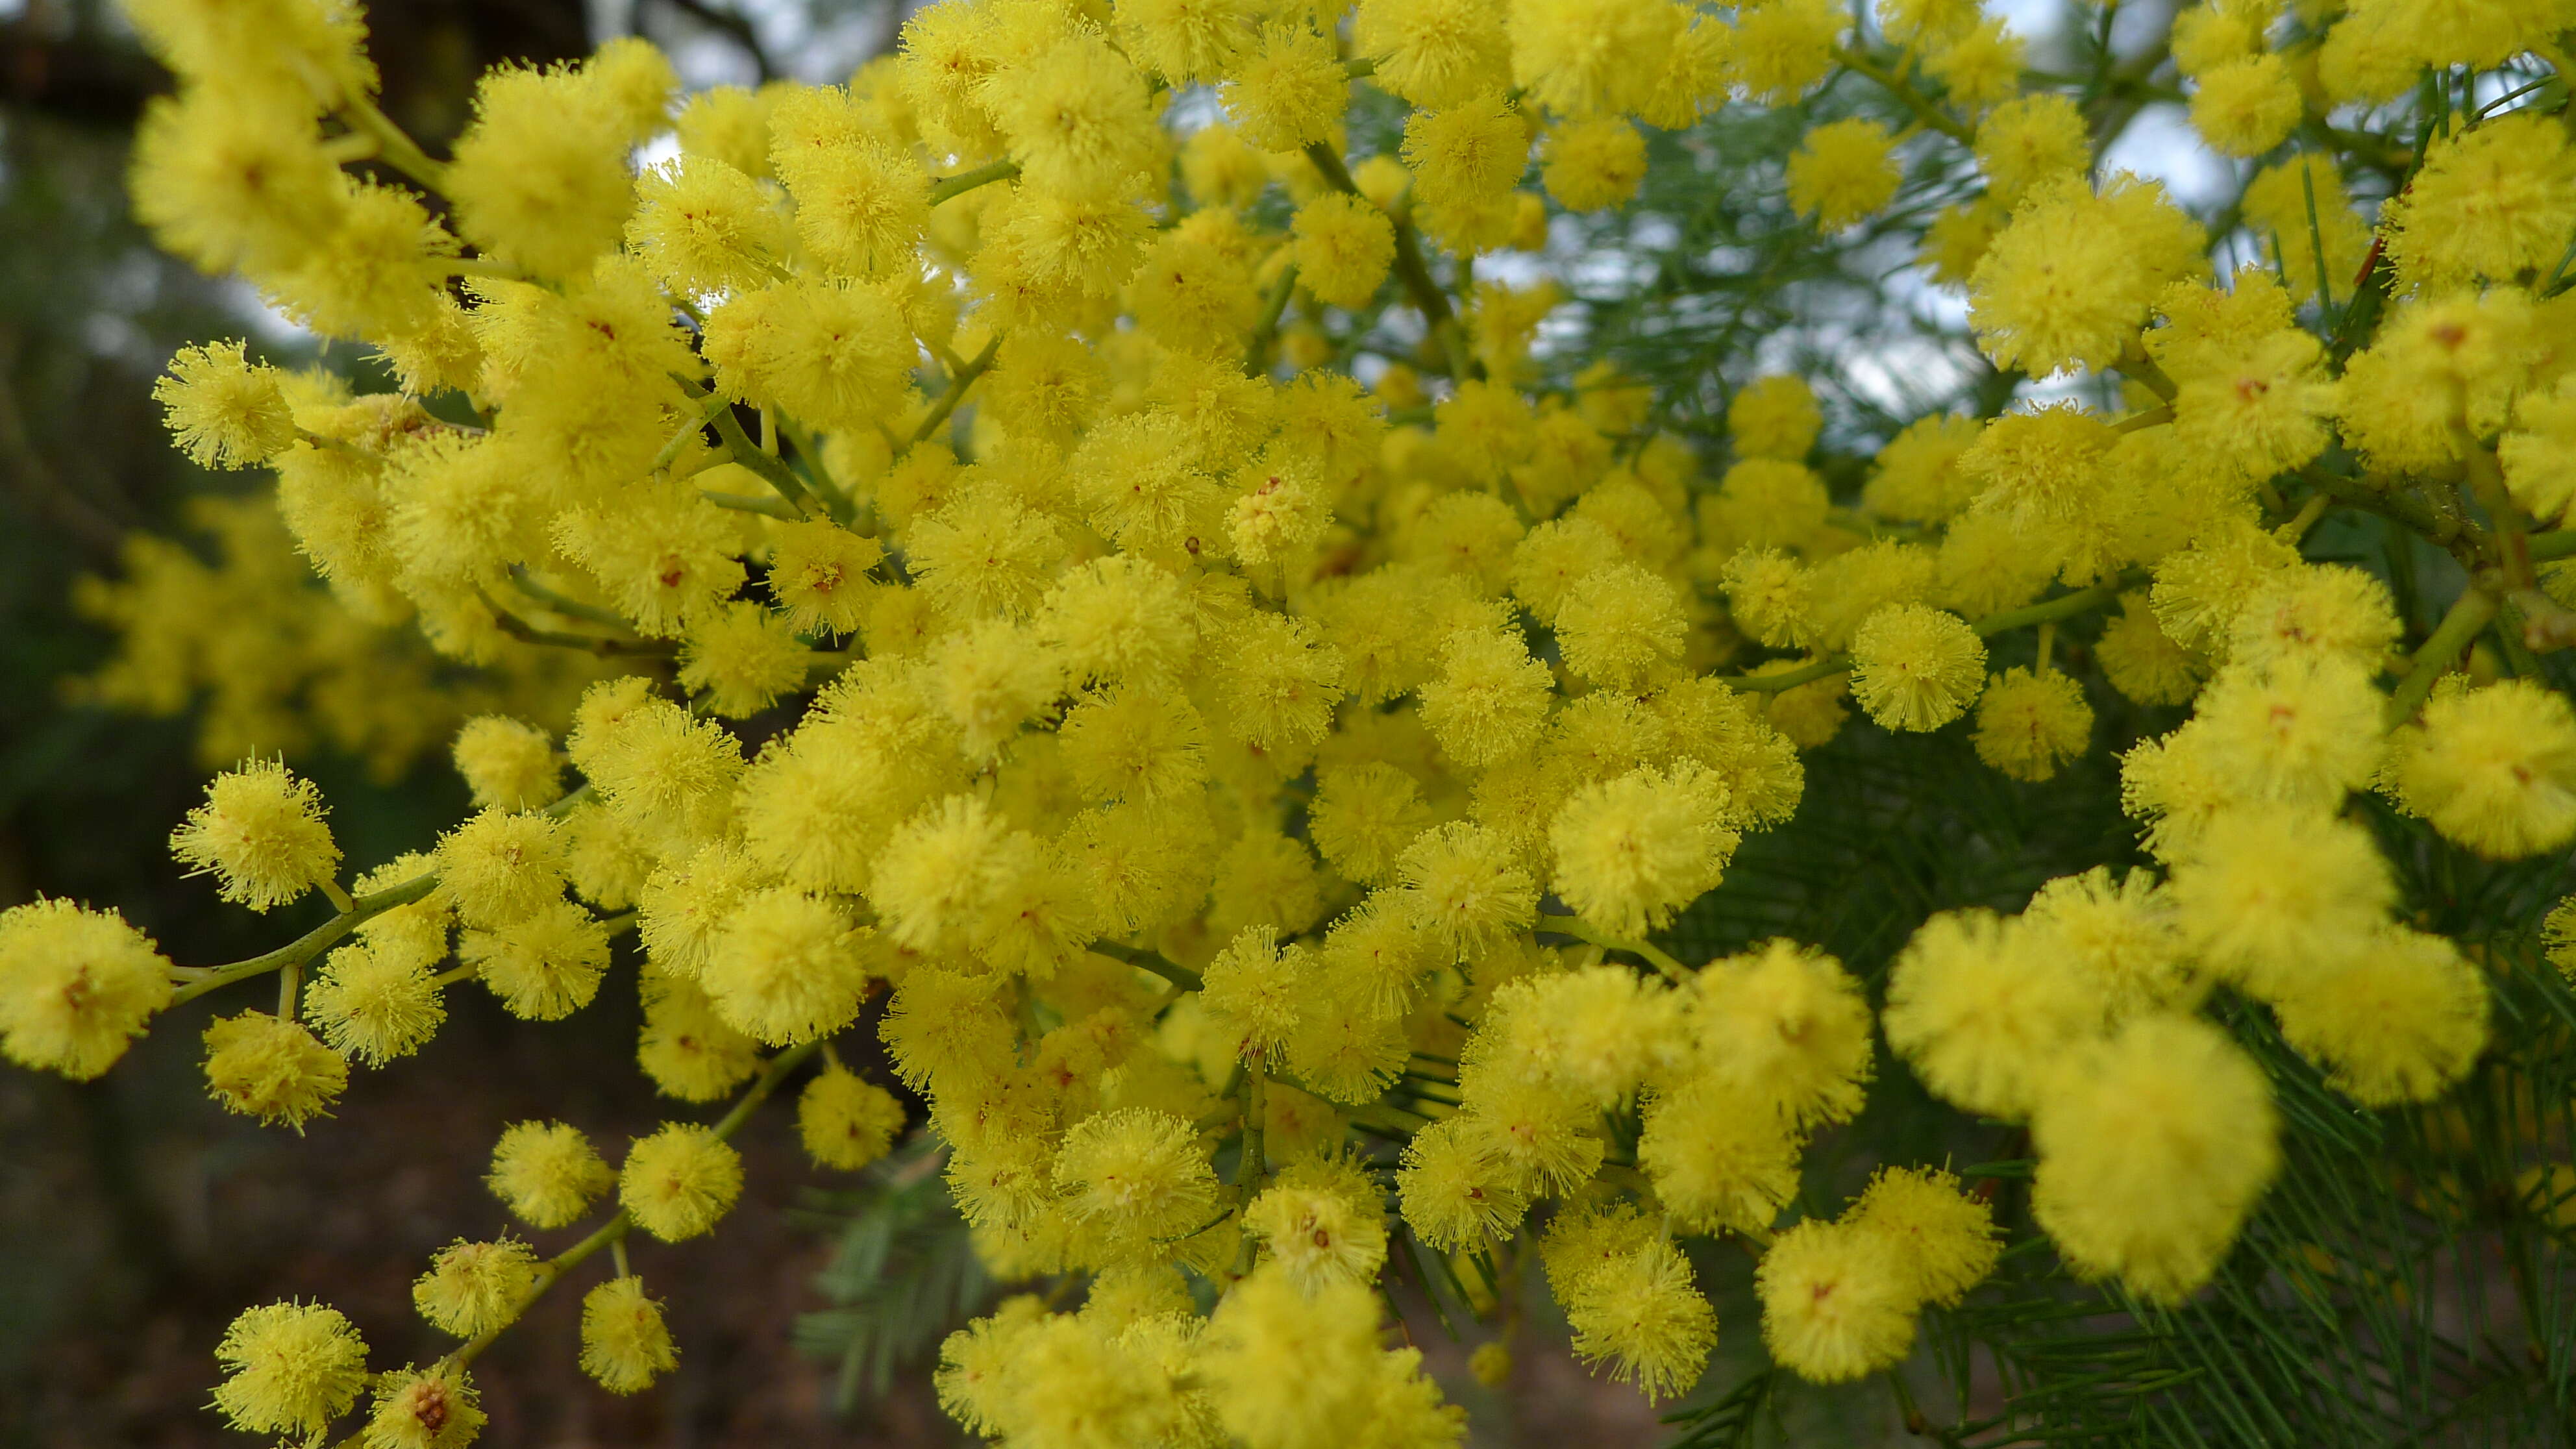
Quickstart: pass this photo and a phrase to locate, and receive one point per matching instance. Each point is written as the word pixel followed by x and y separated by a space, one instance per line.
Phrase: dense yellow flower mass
pixel 940 523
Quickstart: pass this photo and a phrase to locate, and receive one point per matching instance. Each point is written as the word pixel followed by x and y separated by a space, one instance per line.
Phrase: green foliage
pixel 902 1274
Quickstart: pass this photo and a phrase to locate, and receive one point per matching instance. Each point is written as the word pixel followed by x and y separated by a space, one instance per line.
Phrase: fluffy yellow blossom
pixel 624 1343
pixel 547 1172
pixel 2494 769
pixel 290 1368
pixel 1916 668
pixel 2028 725
pixel 678 1182
pixel 1843 173
pixel 76 986
pixel 2152 1149
pixel 845 1122
pixel 261 1066
pixel 260 834
pixel 436 1408
pixel 473 1288
pixel 1835 1302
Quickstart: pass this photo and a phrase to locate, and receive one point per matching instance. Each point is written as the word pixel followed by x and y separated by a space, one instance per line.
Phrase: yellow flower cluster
pixel 1252 789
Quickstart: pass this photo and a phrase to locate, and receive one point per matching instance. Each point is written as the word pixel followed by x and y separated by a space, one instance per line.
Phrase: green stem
pixel 712 404
pixel 746 452
pixel 396 149
pixel 2047 611
pixel 1787 679
pixel 1915 101
pixel 202 979
pixel 2486 480
pixel 1256 353
pixel 1179 975
pixel 1583 930
pixel 527 633
pixel 526 582
pixel 2470 614
pixel 614 1230
pixel 745 503
pixel 955 393
pixel 2064 606
pixel 836 500
pixel 951 187
pixel 2555 544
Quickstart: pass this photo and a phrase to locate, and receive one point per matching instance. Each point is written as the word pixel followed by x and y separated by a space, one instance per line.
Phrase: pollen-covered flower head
pixel 2397 1021
pixel 1835 1301
pixel 1944 1237
pixel 1632 851
pixel 290 1368
pixel 680 1181
pixel 76 986
pixel 433 1408
pixel 224 410
pixel 624 1343
pixel 845 1121
pixel 2029 725
pixel 1135 1175
pixel 785 968
pixel 1642 1311
pixel 2153 1147
pixel 1983 1012
pixel 1916 667
pixel 473 1288
pixel 1323 1220
pixel 261 1066
pixel 547 1173
pixel 1784 1024
pixel 1464 884
pixel 2493 769
pixel 374 1003
pixel 260 833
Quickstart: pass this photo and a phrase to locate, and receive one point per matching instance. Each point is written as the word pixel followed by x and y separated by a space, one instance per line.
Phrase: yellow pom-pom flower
pixel 547 1173
pixel 374 1003
pixel 1944 1239
pixel 224 410
pixel 1916 667
pixel 260 1066
pixel 2494 769
pixel 678 1182
pixel 260 834
pixel 1843 173
pixel 2029 725
pixel 845 1121
pixel 75 987
pixel 624 1343
pixel 290 1368
pixel 474 1288
pixel 433 1408
pixel 2152 1149
pixel 1835 1302
pixel 508 764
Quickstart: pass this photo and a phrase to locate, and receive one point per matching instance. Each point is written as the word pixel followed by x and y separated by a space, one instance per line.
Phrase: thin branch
pixel 748 453
pixel 2467 617
pixel 1256 353
pixel 1583 930
pixel 1179 975
pixel 203 979
pixel 949 188
pixel 393 147
pixel 955 393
